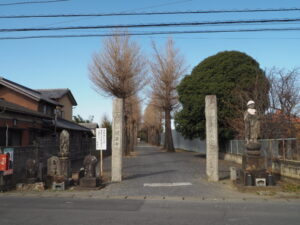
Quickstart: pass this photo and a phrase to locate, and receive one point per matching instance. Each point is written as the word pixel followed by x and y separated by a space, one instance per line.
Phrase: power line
pixel 150 13
pixel 32 2
pixel 160 5
pixel 232 22
pixel 153 33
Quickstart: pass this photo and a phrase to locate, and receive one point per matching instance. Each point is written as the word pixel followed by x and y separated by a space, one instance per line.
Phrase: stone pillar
pixel 212 145
pixel 117 140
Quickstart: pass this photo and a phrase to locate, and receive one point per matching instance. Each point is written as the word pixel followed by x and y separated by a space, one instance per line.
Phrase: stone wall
pixel 232 157
pixel 286 168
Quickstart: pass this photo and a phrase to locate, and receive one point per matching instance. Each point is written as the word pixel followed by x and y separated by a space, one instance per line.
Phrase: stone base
pixel 255 178
pixel 89 182
pixel 39 186
pixel 253 163
pixel 59 186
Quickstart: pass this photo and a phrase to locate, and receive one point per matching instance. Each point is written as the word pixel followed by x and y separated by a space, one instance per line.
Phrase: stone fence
pixel 282 156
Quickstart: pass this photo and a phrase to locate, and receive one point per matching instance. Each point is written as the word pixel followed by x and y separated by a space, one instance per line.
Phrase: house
pixel 91 126
pixel 28 115
pixel 20 126
pixel 63 97
pixel 27 98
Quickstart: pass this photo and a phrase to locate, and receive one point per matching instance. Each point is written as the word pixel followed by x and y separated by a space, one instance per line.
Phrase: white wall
pixel 195 145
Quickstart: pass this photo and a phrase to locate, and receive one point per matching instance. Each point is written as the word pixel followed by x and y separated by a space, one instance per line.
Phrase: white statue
pixel 252 123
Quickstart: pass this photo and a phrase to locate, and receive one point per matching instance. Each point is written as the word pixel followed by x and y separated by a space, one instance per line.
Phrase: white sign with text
pixel 101 139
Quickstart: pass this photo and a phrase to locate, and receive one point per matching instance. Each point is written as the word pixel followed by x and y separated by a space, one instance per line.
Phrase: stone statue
pixel 252 123
pixel 64 143
pixel 53 166
pixel 89 164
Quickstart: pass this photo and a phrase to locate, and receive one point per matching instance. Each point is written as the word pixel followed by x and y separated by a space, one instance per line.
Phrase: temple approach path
pixel 151 172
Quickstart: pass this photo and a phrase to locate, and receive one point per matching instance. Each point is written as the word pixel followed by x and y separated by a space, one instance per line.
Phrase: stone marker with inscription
pixel 212 145
pixel 117 140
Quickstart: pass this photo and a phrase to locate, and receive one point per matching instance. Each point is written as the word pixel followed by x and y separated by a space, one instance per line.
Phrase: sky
pixel 63 63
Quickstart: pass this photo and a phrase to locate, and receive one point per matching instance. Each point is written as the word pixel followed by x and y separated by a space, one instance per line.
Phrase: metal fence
pixel 284 149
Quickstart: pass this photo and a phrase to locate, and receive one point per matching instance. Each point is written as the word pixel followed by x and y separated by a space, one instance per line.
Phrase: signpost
pixel 101 145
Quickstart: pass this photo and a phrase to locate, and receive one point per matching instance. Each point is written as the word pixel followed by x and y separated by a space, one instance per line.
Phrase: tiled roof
pixel 90 125
pixel 57 94
pixel 33 94
pixel 66 124
pixel 8 106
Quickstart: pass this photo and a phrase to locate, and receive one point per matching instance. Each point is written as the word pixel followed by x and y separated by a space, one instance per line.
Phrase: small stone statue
pixel 252 123
pixel 53 166
pixel 64 143
pixel 89 164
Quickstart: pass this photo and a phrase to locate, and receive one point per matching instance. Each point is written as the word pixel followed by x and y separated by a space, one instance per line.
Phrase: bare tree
pixel 119 69
pixel 132 122
pixel 153 123
pixel 167 67
pixel 284 102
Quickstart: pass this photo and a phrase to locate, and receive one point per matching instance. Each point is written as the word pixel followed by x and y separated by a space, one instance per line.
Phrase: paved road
pixel 130 202
pixel 152 166
pixel 69 211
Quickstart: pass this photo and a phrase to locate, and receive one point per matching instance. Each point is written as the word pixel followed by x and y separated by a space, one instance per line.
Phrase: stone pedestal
pixel 65 167
pixel 253 162
pixel 248 178
pixel 88 182
pixel 59 186
pixel 253 168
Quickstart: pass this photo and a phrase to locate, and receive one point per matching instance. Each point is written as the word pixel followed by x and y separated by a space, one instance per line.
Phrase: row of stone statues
pixel 59 167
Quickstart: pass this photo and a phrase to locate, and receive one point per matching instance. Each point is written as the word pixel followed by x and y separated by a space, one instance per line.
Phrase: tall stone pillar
pixel 212 145
pixel 117 140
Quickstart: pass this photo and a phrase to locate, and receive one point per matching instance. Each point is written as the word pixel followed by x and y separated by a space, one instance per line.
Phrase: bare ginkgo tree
pixel 119 70
pixel 167 68
pixel 132 122
pixel 153 123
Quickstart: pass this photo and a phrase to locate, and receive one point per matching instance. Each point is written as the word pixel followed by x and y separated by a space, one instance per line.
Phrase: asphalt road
pixel 69 211
pixel 137 201
pixel 151 166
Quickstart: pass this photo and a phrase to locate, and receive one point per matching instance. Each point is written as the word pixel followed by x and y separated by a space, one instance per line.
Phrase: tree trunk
pixel 168 145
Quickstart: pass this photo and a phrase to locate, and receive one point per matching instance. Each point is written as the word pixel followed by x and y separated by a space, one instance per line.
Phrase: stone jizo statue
pixel 53 166
pixel 64 143
pixel 89 164
pixel 252 123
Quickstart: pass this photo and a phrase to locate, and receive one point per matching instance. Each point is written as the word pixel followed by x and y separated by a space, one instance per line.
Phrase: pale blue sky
pixel 62 63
